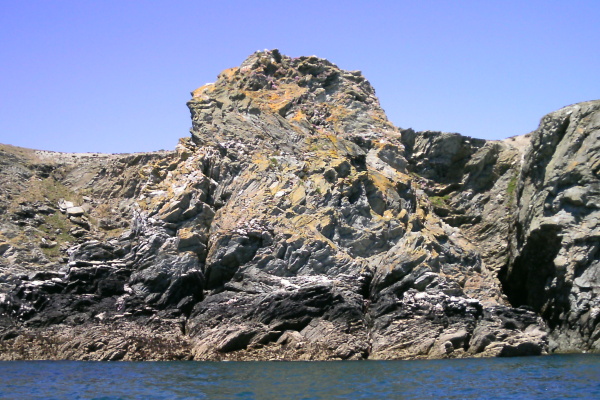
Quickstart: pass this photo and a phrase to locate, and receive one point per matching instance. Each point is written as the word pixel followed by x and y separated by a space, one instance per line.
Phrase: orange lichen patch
pixel 402 214
pixel 263 163
pixel 185 233
pixel 380 181
pixel 276 187
pixel 185 169
pixel 390 214
pixel 339 162
pixel 391 139
pixel 303 220
pixel 321 130
pixel 153 203
pixel 380 118
pixel 228 74
pixel 323 219
pixel 205 89
pixel 275 100
pixel 327 145
pixel 413 221
pixel 572 165
pixel 332 138
pixel 306 226
pixel 297 194
pixel 338 114
pixel 299 116
pixel 434 231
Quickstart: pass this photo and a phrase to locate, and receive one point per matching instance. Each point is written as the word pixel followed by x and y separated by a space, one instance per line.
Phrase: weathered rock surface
pixel 554 258
pixel 297 223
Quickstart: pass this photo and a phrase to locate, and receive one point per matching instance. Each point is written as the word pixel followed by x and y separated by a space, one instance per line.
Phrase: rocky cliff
pixel 298 223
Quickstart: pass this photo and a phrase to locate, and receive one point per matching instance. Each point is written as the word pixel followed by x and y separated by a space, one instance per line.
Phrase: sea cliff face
pixel 296 222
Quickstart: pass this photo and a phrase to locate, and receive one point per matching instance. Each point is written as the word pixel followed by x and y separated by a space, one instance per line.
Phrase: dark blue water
pixel 551 377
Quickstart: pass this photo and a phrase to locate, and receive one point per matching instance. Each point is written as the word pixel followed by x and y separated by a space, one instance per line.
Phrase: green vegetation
pixel 54 222
pixel 52 253
pixel 511 190
pixel 58 221
pixel 48 189
pixel 440 201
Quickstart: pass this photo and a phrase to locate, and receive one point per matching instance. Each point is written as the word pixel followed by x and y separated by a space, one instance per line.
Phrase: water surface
pixel 549 377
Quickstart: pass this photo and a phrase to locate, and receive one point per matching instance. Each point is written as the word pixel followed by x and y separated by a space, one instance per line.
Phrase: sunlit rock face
pixel 298 223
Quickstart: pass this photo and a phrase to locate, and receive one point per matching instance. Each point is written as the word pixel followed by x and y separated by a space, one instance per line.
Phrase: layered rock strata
pixel 298 223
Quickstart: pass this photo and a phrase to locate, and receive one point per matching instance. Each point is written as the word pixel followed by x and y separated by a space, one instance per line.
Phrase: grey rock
pixel 75 211
pixel 298 223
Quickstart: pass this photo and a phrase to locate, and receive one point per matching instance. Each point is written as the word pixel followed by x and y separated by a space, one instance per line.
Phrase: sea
pixel 545 377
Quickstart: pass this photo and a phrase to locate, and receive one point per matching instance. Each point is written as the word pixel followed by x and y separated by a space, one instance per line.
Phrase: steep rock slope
pixel 554 263
pixel 295 223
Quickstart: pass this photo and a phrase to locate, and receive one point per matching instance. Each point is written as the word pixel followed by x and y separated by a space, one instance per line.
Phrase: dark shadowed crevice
pixel 526 282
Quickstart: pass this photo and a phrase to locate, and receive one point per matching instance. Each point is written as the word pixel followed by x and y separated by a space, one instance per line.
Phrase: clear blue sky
pixel 114 76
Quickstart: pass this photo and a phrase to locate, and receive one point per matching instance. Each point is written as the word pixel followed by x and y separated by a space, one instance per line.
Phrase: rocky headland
pixel 296 222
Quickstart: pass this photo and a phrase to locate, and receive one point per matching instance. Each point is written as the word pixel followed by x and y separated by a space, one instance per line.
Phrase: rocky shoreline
pixel 297 223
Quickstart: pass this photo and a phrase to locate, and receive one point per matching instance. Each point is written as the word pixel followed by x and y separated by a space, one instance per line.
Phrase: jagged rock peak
pixel 308 71
pixel 264 70
pixel 305 96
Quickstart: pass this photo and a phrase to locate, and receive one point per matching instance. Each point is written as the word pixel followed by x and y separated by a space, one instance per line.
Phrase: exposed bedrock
pixel 554 263
pixel 298 223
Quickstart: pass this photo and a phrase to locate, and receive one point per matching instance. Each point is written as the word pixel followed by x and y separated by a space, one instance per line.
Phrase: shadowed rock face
pixel 554 249
pixel 297 223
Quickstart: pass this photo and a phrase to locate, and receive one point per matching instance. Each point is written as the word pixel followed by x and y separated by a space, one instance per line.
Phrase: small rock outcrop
pixel 296 222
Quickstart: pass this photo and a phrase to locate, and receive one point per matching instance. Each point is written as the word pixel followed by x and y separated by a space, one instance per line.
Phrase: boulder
pixel 75 211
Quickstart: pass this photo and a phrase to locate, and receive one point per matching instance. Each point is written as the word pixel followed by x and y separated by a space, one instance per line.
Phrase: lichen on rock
pixel 298 223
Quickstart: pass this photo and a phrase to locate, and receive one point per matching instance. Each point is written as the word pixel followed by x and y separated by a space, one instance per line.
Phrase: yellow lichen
pixel 229 73
pixel 275 100
pixel 299 116
pixel 297 195
pixel 209 87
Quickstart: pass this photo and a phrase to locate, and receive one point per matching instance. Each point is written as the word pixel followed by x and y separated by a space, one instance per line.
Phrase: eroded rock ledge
pixel 298 223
